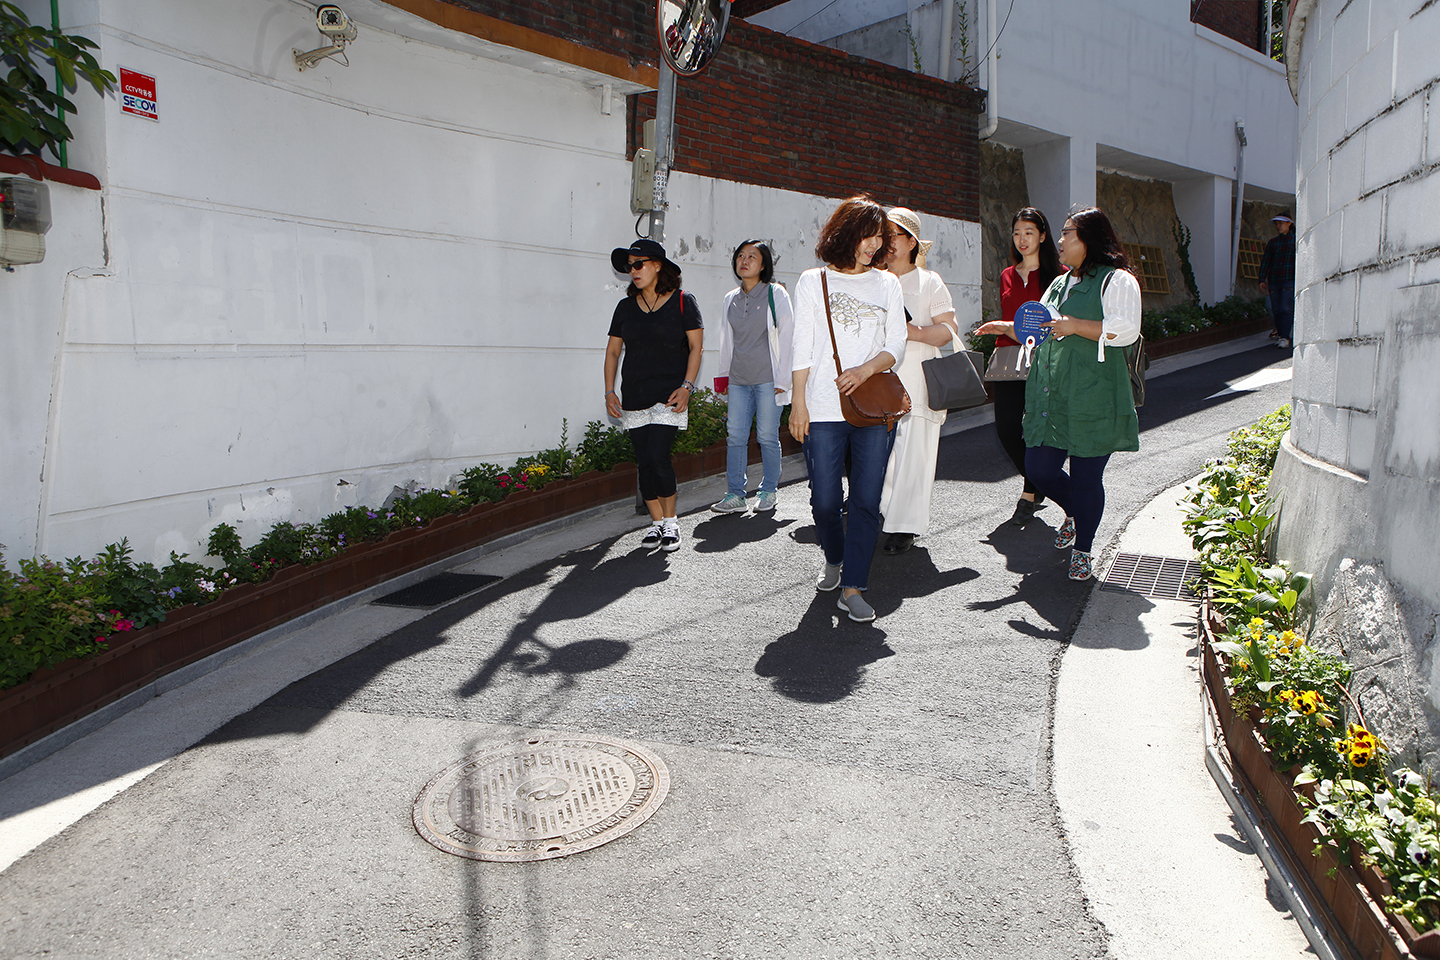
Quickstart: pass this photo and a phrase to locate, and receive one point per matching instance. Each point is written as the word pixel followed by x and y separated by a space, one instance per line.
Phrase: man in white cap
pixel 1277 278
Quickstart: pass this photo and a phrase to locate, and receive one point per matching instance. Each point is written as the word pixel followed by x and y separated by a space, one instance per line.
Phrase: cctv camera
pixel 333 23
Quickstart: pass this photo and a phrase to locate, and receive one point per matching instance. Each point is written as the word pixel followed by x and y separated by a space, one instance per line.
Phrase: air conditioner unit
pixel 24 220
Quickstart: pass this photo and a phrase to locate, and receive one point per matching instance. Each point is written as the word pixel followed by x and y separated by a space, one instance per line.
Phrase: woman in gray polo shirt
pixel 754 372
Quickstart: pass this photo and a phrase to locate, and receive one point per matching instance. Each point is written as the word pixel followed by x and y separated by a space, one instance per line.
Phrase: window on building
pixel 1248 265
pixel 1275 29
pixel 1148 265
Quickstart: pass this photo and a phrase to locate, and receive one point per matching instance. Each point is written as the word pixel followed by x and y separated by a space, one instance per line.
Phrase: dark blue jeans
pixel 1080 493
pixel 1282 309
pixel 849 540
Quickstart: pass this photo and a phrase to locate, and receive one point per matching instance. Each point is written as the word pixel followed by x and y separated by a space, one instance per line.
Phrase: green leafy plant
pixel 1182 245
pixel 49 613
pixel 32 114
pixel 706 423
pixel 602 447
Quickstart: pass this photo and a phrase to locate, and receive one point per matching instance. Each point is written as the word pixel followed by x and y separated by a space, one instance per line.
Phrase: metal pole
pixel 664 147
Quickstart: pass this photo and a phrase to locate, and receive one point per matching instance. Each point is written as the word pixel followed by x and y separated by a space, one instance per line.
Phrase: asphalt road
pixel 838 790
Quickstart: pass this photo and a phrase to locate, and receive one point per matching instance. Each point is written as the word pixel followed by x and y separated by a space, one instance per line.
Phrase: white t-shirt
pixel 1120 301
pixel 869 314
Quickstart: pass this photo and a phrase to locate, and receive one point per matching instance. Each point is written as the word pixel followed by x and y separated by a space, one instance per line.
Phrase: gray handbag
pixel 1008 363
pixel 954 382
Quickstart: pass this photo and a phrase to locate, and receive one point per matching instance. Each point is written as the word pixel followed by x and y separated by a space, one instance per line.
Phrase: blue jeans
pixel 848 541
pixel 749 402
pixel 1282 308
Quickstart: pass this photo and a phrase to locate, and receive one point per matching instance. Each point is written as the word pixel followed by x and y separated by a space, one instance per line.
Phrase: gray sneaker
pixel 857 608
pixel 829 579
pixel 730 503
pixel 765 500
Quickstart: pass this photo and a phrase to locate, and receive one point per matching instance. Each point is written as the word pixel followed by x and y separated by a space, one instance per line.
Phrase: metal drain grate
pixel 1166 577
pixel 441 588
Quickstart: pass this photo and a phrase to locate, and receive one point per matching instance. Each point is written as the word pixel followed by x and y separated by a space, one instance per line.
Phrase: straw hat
pixel 909 221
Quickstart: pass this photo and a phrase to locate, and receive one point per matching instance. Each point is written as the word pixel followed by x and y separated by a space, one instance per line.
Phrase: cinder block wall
pixel 1360 476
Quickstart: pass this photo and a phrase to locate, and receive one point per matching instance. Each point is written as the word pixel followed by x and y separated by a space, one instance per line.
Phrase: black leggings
pixel 1009 412
pixel 652 459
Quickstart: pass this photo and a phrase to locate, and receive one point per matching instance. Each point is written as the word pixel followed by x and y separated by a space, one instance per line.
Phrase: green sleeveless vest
pixel 1072 401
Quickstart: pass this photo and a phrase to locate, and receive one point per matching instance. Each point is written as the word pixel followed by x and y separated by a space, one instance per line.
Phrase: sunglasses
pixel 635 265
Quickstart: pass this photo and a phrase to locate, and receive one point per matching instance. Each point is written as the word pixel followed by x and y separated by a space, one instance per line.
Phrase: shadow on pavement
pixel 589 583
pixel 824 658
pixel 726 532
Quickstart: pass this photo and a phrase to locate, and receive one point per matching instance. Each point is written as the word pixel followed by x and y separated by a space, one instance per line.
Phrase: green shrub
pixel 481 483
pixel 356 525
pixel 1254 448
pixel 706 423
pixel 49 613
pixel 134 589
pixel 602 447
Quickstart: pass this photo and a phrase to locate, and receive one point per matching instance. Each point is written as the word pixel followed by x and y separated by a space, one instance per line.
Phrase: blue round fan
pixel 1028 320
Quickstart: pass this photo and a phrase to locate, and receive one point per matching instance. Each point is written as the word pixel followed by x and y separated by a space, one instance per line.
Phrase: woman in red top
pixel 1037 262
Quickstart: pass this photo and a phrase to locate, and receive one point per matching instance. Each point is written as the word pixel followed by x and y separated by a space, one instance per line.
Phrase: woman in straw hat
pixel 910 476
pixel 657 327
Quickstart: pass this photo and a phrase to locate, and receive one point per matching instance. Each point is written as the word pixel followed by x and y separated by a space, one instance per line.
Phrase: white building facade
pixel 297 290
pixel 1128 86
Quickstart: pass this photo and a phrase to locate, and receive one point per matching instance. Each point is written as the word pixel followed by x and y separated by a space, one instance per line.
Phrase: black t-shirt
pixel 657 350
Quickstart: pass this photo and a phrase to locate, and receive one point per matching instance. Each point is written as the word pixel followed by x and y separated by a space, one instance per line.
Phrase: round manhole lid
pixel 541 798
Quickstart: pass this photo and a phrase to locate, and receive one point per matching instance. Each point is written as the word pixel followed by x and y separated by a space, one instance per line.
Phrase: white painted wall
pixel 375 274
pixel 1127 85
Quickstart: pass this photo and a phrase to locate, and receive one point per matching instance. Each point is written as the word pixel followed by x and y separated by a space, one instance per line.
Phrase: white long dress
pixel 910 475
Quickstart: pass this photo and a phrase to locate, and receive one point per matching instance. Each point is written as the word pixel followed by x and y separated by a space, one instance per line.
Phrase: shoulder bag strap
pixel 825 288
pixel 770 290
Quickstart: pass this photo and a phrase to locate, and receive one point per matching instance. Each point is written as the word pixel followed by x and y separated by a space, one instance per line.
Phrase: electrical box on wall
pixel 642 173
pixel 24 220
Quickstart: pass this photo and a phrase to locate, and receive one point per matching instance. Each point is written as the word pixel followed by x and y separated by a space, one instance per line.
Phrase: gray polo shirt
pixel 749 319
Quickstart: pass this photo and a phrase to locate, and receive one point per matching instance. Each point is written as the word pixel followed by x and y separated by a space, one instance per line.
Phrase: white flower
pixel 206 585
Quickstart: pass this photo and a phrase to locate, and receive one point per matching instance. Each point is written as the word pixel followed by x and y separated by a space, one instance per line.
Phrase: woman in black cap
pixel 657 327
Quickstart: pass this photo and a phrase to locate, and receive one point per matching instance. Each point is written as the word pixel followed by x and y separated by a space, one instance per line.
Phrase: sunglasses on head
pixel 636 264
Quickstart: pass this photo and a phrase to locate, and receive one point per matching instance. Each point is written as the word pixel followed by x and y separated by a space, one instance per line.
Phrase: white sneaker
pixel 1282 343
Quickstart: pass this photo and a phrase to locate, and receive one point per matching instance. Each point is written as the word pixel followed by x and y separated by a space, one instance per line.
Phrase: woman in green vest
pixel 1078 402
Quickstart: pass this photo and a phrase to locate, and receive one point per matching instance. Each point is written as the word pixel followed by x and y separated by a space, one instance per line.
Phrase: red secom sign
pixel 137 94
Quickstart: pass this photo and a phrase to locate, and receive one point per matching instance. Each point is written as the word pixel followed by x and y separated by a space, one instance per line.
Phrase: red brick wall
pixel 780 112
pixel 1240 20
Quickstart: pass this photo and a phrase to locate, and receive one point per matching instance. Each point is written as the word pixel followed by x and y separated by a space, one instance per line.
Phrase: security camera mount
pixel 336 27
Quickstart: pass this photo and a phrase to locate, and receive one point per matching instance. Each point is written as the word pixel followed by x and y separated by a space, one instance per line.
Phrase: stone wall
pixel 1002 193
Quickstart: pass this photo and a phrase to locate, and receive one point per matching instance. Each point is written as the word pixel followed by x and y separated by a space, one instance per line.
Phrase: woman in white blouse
pixel 910 477
pixel 868 313
pixel 1078 400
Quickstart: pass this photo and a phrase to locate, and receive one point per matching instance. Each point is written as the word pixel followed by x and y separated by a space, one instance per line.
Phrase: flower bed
pixel 1367 836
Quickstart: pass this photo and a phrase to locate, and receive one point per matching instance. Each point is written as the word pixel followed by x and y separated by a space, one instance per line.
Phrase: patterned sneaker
pixel 670 535
pixel 765 500
pixel 730 503
pixel 652 535
pixel 1065 536
pixel 1080 565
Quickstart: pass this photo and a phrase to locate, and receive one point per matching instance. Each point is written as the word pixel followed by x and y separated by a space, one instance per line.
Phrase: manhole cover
pixel 441 588
pixel 541 798
pixel 1166 577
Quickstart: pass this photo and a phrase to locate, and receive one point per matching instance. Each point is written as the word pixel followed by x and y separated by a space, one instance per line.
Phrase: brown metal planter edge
pixel 68 692
pixel 1354 911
